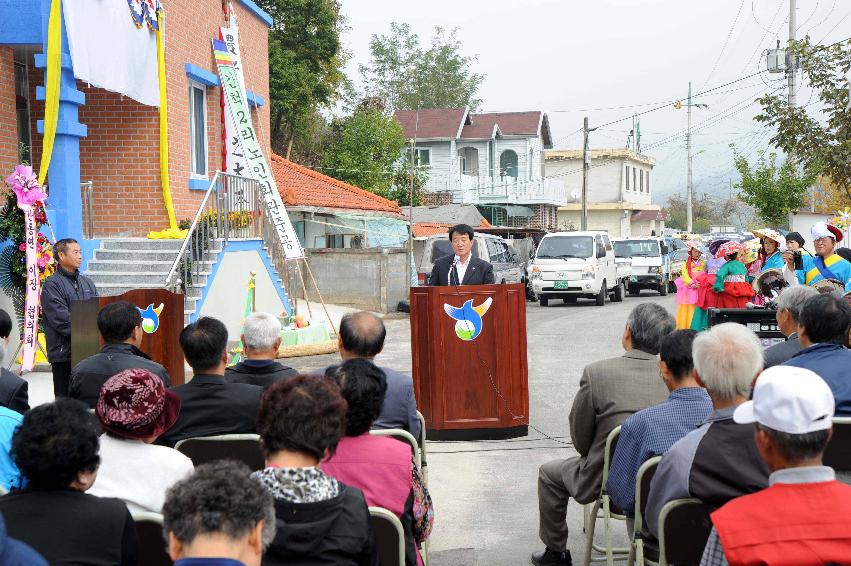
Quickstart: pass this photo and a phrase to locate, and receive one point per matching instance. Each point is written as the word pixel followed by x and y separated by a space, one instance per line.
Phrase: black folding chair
pixel 245 448
pixel 684 527
pixel 152 544
pixel 837 454
pixel 389 536
pixel 642 493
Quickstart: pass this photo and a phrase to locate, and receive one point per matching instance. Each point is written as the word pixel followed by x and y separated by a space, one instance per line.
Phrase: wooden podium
pixel 162 346
pixel 471 386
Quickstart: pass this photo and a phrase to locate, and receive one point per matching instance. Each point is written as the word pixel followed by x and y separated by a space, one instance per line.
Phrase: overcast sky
pixel 571 59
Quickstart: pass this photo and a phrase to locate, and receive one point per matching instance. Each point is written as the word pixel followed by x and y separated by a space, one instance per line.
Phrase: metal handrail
pixel 87 190
pixel 226 195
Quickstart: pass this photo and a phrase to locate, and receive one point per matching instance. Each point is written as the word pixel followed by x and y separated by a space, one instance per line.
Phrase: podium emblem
pixel 151 318
pixel 468 325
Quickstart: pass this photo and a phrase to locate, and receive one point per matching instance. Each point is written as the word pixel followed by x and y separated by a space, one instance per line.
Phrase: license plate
pixel 561 285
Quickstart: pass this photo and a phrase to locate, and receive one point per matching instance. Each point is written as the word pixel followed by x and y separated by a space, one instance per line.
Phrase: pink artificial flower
pixel 43 261
pixel 26 187
pixel 23 247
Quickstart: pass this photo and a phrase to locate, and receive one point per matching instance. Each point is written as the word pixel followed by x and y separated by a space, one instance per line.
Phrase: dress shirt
pixel 460 269
pixel 651 432
pixel 713 554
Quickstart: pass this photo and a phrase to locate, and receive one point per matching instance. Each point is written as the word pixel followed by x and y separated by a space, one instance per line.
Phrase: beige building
pixel 619 191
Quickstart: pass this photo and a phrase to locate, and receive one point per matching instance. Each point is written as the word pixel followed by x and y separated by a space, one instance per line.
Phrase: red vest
pixel 788 524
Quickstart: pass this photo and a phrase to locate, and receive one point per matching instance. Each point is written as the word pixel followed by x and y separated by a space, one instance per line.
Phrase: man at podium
pixel 461 268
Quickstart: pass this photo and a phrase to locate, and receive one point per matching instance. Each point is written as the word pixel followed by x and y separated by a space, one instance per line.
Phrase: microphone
pixel 455 269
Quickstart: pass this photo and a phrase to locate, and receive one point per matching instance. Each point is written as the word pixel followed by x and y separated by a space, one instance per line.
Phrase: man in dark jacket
pixel 210 405
pixel 14 391
pixel 461 268
pixel 261 338
pixel 64 286
pixel 120 325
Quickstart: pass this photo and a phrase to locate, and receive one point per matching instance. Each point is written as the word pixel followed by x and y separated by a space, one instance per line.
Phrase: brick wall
pixel 8 120
pixel 436 199
pixel 121 153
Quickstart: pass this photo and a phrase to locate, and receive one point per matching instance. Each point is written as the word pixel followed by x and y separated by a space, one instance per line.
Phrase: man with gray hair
pixel 609 392
pixel 789 305
pixel 718 461
pixel 218 516
pixel 261 339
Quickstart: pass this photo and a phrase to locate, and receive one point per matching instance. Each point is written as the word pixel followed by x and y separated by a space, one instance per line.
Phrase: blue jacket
pixel 10 477
pixel 831 362
pixel 59 290
pixel 15 553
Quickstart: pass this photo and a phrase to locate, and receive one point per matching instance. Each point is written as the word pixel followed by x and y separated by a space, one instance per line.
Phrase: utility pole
pixel 689 197
pixel 586 158
pixel 791 66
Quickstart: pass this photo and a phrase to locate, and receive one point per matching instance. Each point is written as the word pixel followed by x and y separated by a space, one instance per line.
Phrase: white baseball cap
pixel 789 399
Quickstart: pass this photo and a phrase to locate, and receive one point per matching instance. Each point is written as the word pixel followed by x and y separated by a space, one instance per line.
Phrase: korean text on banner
pixel 234 154
pixel 258 167
pixel 33 292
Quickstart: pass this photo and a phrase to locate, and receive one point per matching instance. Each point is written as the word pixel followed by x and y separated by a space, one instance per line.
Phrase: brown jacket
pixel 609 392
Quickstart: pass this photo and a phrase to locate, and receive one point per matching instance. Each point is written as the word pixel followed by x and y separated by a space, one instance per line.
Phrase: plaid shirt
pixel 651 432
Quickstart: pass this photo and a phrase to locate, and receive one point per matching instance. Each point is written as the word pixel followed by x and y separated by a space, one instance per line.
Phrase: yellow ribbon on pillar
pixel 51 86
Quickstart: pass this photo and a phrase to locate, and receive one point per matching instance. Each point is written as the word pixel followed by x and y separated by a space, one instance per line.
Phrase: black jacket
pixel 14 392
pixel 262 374
pixel 68 527
pixel 59 290
pixel 479 272
pixel 337 531
pixel 211 406
pixel 89 375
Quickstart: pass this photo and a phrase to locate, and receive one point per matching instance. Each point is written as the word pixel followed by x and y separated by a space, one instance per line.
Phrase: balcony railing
pixel 469 189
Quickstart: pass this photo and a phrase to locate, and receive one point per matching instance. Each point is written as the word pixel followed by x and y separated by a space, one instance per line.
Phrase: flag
pixel 221 53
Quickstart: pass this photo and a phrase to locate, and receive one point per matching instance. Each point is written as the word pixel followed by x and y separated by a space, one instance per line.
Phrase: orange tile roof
pixel 300 186
pixel 425 229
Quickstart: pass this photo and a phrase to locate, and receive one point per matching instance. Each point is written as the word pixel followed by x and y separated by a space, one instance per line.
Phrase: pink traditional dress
pixel 687 289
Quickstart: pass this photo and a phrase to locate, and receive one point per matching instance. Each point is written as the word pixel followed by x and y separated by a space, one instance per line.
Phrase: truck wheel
pixel 543 300
pixel 617 296
pixel 663 288
pixel 601 296
pixel 634 291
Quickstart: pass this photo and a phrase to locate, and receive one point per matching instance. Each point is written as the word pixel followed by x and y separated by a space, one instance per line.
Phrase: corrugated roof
pixel 428 123
pixel 425 229
pixel 300 186
pixel 610 153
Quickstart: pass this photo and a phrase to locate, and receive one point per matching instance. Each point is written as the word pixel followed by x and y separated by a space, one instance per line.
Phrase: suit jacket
pixel 211 406
pixel 90 374
pixel 14 392
pixel 609 392
pixel 400 407
pixel 783 351
pixel 479 272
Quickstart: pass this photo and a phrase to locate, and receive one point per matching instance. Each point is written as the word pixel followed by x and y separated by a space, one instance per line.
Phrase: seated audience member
pixel 13 389
pixel 134 410
pixel 10 477
pixel 362 336
pixel 261 338
pixel 319 519
pixel 120 326
pixel 789 305
pixel 380 466
pixel 56 449
pixel 823 330
pixel 609 392
pixel 651 432
pixel 209 404
pixel 719 461
pixel 802 517
pixel 218 516
pixel 15 553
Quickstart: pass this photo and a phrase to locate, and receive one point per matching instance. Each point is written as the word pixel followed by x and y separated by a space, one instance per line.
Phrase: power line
pixel 726 42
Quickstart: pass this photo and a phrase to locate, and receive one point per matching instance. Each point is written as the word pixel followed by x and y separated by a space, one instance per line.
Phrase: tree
pixel 827 196
pixel 817 140
pixel 406 75
pixel 305 65
pixel 364 151
pixel 772 190
pixel 706 211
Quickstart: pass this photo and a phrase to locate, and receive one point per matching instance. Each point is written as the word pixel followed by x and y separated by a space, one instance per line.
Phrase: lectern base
pixel 477 433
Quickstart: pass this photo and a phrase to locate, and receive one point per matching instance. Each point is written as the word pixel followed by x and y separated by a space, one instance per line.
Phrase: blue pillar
pixel 64 206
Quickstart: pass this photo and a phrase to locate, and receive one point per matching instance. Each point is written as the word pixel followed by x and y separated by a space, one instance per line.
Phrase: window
pixel 627 177
pixel 641 178
pixel 634 179
pixel 198 129
pixel 530 163
pixel 648 182
pixel 422 156
pixel 508 164
pixel 496 251
pixel 607 242
pixel 468 161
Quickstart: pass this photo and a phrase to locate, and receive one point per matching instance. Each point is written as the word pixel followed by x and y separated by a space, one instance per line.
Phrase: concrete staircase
pixel 122 264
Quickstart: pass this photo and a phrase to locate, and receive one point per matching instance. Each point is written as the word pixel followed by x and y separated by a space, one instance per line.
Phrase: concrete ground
pixel 485 492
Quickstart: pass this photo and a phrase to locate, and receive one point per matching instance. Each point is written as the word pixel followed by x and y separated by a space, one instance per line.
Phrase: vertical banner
pixel 33 291
pixel 234 156
pixel 258 167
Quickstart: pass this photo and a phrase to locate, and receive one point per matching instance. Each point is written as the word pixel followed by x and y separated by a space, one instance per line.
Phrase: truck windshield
pixel 637 248
pixel 566 246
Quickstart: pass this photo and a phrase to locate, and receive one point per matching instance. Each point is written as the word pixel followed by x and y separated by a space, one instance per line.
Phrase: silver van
pixel 506 261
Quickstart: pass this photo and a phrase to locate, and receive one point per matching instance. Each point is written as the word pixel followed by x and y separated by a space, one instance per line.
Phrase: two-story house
pixel 619 197
pixel 494 161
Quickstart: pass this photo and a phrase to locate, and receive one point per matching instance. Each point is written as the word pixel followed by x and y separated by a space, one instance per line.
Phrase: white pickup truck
pixel 650 263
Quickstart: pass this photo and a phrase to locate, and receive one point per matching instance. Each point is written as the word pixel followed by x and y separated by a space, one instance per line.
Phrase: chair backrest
pixel 422 439
pixel 245 448
pixel 837 455
pixel 642 488
pixel 608 455
pixel 389 536
pixel 402 436
pixel 684 527
pixel 152 543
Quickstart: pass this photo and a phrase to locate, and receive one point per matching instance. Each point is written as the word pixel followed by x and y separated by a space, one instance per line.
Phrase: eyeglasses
pixel 824 240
